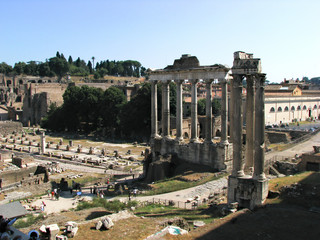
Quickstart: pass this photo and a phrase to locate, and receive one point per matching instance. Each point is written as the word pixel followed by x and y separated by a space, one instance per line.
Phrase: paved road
pixel 300 148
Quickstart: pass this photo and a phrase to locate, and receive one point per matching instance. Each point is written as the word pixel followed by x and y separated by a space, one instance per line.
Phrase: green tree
pixel 136 115
pixel 111 106
pixel 70 60
pixel 19 67
pixel 202 106
pixel 59 66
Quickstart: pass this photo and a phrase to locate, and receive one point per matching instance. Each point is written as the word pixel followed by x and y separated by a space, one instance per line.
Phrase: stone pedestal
pixel 248 192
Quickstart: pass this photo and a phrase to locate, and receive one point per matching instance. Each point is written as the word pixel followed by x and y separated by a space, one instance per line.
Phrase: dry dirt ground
pixel 131 228
pixel 267 223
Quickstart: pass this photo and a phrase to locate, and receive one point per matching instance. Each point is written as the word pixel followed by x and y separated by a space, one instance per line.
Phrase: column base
pixel 248 192
pixel 157 136
pixel 224 143
pixel 179 139
pixel 194 140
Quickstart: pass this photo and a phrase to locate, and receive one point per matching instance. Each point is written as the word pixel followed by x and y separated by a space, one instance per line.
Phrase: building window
pixel 286 109
pixel 279 109
pixel 315 107
pixel 292 108
pixel 304 107
pixel 299 108
pixel 272 109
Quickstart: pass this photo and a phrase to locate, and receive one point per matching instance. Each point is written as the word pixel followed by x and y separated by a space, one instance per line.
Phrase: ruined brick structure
pixel 38 98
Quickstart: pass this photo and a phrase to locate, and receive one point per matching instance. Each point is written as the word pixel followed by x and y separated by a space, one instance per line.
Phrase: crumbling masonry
pixel 187 68
pixel 247 183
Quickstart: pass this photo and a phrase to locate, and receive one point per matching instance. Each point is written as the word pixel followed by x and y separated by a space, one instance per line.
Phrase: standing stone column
pixel 42 143
pixel 194 111
pixel 154 110
pixel 224 112
pixel 165 109
pixel 249 123
pixel 238 161
pixel 259 143
pixel 209 110
pixel 231 110
pixel 179 115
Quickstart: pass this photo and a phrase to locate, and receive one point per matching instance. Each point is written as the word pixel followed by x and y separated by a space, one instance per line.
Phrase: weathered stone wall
pixel 38 98
pixel 278 137
pixel 14 176
pixel 212 155
pixel 309 158
pixel 8 127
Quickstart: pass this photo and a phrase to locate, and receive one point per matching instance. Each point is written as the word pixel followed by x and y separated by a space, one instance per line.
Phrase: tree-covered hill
pixel 60 66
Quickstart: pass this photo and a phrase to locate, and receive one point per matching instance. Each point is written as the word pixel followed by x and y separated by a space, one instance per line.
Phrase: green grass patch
pixel 302 189
pixel 85 180
pixel 112 206
pixel 176 184
pixel 27 221
pixel 306 177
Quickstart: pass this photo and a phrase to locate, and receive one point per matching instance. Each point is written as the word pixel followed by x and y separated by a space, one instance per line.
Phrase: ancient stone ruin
pixel 248 184
pixel 187 68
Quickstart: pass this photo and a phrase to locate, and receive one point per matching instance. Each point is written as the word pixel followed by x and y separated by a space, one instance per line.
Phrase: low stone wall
pixel 278 137
pixel 14 176
pixel 8 127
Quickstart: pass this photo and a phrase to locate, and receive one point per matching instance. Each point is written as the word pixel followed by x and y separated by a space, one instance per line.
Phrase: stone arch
pixel 315 106
pixel 286 109
pixel 272 109
pixel 293 108
pixel 299 108
pixel 304 107
pixel 279 109
pixel 9 82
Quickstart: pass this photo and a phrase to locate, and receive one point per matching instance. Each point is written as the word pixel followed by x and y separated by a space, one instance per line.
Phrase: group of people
pixel 55 194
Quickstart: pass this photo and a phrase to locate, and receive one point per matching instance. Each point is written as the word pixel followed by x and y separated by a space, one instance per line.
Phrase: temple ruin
pixel 247 183
pixel 187 68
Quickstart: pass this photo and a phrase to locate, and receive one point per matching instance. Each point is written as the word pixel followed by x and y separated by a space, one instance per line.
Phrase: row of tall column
pixel 255 135
pixel 194 114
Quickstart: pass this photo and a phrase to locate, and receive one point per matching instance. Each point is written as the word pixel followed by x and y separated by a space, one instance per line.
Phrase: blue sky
pixel 285 34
